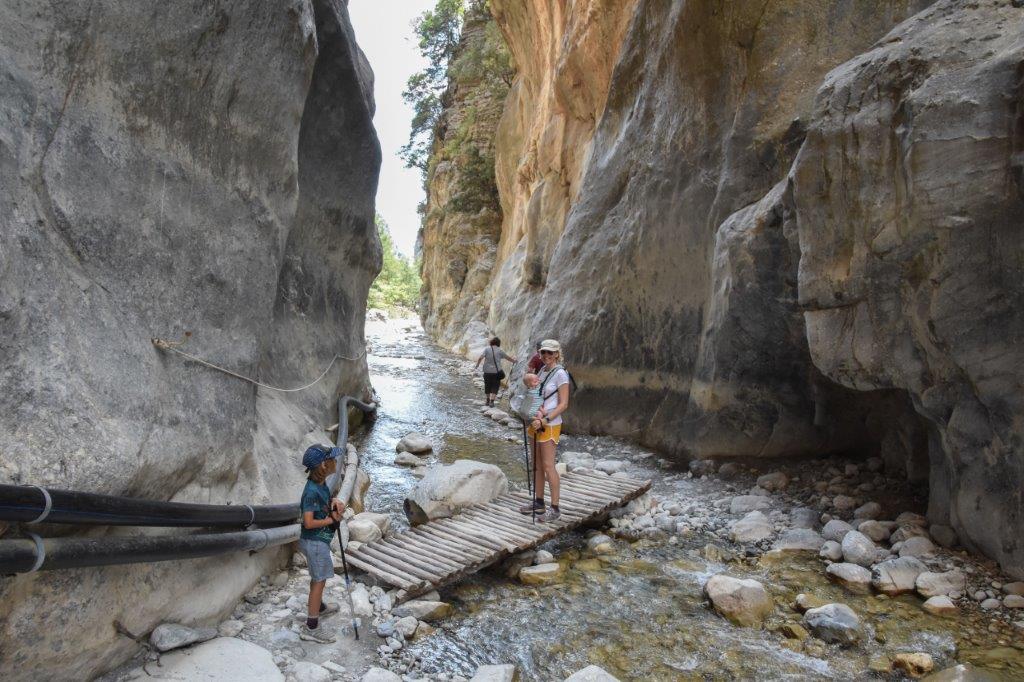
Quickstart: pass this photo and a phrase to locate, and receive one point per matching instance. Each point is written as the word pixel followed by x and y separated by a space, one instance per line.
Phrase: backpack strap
pixel 551 374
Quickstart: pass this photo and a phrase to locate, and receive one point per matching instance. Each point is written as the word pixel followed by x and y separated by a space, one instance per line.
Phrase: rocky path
pixel 803 570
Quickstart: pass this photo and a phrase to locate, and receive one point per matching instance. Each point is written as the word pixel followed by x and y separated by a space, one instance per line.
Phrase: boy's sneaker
pixel 534 507
pixel 329 609
pixel 317 635
pixel 551 514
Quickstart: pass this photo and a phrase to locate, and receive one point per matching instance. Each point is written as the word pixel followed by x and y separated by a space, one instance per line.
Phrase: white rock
pixel 939 584
pixel 230 628
pixel 543 557
pixel 447 489
pixel 609 466
pixel 831 550
pixel 224 658
pixel 877 532
pixel 743 602
pixel 989 604
pixel 168 636
pixel 897 576
pixel 858 549
pixel 798 540
pixel 363 530
pixel 743 504
pixel 361 601
pixel 304 671
pixel 592 673
pixel 600 544
pixel 407 459
pixel 562 468
pixel 494 673
pixel 427 611
pixel 851 576
pixel 917 546
pixel 334 667
pixel 773 481
pixel 940 606
pixel 380 675
pixel 1013 601
pixel 415 443
pixel 836 530
pixel 868 510
pixel 540 574
pixel 577 460
pixel 834 623
pixel 407 626
pixel 753 527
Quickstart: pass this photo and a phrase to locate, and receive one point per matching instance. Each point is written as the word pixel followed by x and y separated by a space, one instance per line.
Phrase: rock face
pixel 168 169
pixel 744 238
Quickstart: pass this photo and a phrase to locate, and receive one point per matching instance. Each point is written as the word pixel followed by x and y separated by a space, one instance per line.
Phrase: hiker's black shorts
pixel 491 383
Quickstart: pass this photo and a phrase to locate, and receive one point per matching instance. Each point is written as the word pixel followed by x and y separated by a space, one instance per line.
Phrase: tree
pixel 398 284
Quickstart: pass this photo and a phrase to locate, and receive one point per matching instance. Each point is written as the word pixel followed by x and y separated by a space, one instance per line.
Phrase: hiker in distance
pixel 546 428
pixel 491 357
pixel 320 516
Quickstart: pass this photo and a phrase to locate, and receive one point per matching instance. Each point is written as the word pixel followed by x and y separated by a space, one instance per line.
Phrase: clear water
pixel 638 613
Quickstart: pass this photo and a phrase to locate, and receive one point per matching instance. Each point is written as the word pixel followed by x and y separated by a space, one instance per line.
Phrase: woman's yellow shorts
pixel 550 432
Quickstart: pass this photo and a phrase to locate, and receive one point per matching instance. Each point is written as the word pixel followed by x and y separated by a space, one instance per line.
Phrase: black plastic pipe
pixel 35 553
pixel 26 504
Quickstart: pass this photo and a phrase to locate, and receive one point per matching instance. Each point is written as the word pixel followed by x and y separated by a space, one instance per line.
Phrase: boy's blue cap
pixel 315 455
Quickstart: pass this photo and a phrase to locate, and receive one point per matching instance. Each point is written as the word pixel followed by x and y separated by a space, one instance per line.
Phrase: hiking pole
pixel 348 584
pixel 529 476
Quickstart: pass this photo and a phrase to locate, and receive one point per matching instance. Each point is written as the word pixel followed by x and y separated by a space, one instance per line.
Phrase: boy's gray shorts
pixel 318 556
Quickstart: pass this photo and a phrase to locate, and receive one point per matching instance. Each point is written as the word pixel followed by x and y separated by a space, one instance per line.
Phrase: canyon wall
pixel 785 231
pixel 170 168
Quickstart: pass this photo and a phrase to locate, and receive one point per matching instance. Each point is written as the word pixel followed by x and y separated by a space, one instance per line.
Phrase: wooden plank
pixel 591 494
pixel 450 558
pixel 429 557
pixel 514 535
pixel 467 522
pixel 573 507
pixel 382 555
pixel 430 535
pixel 385 575
pixel 473 535
pixel 527 530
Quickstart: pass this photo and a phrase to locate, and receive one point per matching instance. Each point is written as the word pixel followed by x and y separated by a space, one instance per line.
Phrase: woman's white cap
pixel 550 344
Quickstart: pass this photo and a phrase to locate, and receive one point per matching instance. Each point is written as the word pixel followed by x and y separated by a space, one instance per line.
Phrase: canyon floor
pixel 630 597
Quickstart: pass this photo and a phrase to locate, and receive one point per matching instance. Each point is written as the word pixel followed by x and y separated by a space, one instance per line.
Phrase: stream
pixel 639 613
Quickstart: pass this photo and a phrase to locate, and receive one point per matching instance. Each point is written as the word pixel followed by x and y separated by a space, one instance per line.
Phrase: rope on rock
pixel 165 345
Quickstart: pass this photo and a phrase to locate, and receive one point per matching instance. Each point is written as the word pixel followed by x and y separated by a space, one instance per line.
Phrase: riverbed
pixel 639 613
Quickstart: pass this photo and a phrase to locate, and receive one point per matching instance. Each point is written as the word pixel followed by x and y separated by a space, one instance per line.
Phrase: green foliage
pixel 438 31
pixel 486 61
pixel 398 284
pixel 477 187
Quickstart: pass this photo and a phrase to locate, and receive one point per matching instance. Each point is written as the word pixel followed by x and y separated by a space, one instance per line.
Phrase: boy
pixel 320 514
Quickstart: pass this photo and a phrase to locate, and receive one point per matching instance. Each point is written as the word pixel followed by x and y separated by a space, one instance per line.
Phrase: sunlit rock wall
pixel 168 168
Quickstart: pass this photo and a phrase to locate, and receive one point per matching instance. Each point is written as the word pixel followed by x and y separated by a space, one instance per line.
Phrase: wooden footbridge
pixel 443 551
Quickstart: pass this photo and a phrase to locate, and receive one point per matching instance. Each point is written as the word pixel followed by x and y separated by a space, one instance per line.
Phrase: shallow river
pixel 637 613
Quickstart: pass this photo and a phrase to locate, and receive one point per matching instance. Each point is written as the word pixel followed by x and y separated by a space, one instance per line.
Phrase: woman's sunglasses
pixel 547 352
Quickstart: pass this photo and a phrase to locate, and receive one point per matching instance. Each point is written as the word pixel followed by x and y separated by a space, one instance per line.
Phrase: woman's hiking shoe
pixel 550 515
pixel 534 507
pixel 317 635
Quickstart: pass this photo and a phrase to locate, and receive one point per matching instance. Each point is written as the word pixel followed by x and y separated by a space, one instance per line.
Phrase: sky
pixel 383 30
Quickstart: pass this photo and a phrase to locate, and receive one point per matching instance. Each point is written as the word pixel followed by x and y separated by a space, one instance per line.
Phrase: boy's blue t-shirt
pixel 316 497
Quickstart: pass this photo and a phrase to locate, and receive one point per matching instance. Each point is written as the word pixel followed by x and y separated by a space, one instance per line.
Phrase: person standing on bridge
pixel 320 514
pixel 493 373
pixel 546 428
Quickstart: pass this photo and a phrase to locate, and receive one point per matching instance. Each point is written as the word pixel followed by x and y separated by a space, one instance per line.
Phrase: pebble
pixel 1013 601
pixel 304 671
pixel 989 604
pixel 844 502
pixel 940 606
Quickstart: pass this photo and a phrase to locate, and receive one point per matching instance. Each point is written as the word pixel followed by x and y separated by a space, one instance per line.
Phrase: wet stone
pixel 851 576
pixel 897 576
pixel 858 549
pixel 799 540
pixel 831 550
pixel 834 623
pixel 914 665
pixel 836 530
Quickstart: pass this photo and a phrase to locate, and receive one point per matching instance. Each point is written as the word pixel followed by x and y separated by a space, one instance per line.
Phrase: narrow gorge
pixel 761 229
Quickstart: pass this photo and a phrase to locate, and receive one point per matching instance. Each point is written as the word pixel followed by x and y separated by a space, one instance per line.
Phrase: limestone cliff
pixel 169 168
pixel 786 230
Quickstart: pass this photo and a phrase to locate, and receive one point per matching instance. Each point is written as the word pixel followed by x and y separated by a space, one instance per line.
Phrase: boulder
pixel 940 606
pixel 610 466
pixel 897 576
pixel 743 602
pixel 753 527
pixel 223 658
pixel 938 584
pixel 591 673
pixel 702 467
pixel 447 489
pixel 944 536
pixel 168 636
pixel 851 576
pixel 494 673
pixel 917 546
pixel 831 550
pixel 363 529
pixel 858 549
pixel 379 675
pixel 834 623
pixel 422 609
pixel 868 510
pixel 407 459
pixel 600 544
pixel 875 531
pixel 577 460
pixel 230 628
pixel 798 540
pixel 743 504
pixel 540 574
pixel 836 530
pixel 773 482
pixel 416 443
pixel 305 671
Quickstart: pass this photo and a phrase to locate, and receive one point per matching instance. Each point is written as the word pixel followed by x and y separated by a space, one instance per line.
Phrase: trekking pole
pixel 529 475
pixel 348 585
pixel 534 516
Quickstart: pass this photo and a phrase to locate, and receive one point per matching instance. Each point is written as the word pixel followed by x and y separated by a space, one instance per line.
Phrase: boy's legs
pixel 316 595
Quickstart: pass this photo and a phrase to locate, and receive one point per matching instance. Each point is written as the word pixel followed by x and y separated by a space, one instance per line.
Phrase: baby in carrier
pixel 530 399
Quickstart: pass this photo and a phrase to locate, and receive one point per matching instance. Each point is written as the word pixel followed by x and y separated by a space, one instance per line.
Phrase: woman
pixel 546 428
pixel 493 374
